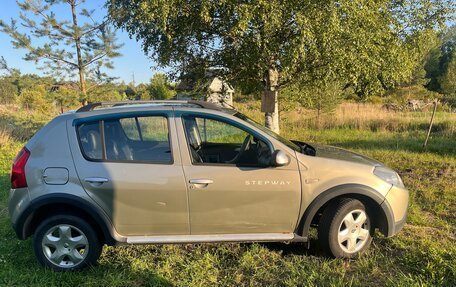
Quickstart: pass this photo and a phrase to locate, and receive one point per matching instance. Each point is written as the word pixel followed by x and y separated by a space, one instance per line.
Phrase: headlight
pixel 388 175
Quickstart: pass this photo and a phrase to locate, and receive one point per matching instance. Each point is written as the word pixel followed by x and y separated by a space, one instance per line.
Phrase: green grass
pixel 422 254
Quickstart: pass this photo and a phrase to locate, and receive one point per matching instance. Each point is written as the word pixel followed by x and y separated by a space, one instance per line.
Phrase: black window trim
pixel 102 140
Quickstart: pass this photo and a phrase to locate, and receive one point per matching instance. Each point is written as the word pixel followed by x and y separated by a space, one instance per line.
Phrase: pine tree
pixel 78 46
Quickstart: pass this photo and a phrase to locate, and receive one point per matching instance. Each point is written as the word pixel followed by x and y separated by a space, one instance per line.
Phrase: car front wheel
pixel 66 243
pixel 345 229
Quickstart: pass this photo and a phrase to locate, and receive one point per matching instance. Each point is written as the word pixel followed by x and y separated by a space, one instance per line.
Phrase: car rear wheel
pixel 66 243
pixel 345 229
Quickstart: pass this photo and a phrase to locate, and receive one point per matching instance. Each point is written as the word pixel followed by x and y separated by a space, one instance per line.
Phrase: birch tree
pixel 268 45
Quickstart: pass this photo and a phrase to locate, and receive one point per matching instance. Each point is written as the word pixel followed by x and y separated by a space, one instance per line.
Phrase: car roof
pixel 152 103
pixel 131 107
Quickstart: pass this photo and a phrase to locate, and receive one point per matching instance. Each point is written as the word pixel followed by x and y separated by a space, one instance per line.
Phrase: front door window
pixel 217 142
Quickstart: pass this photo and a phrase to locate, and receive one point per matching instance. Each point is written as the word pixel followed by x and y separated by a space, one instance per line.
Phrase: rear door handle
pixel 96 181
pixel 201 181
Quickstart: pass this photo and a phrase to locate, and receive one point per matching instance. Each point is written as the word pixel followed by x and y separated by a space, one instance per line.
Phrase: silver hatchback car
pixel 186 172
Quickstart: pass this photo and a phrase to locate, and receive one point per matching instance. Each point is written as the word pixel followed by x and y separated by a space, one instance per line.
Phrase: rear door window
pixel 132 139
pixel 90 140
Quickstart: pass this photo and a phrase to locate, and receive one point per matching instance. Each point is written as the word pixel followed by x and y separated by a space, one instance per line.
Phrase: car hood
pixel 342 154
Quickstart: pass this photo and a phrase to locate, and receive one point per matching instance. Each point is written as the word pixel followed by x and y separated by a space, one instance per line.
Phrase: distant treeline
pixel 35 92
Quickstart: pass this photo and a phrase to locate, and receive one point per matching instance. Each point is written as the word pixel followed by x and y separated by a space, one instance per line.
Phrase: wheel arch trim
pixel 339 191
pixel 22 225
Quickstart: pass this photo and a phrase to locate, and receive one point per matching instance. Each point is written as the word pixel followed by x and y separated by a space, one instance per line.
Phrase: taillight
pixel 18 179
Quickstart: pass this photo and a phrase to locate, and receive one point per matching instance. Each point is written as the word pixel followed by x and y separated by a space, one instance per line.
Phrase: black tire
pixel 64 237
pixel 332 224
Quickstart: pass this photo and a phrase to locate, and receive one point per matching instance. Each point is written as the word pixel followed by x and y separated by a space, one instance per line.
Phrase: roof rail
pixel 202 104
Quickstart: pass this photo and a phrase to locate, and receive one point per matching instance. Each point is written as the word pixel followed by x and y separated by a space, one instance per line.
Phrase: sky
pixel 132 61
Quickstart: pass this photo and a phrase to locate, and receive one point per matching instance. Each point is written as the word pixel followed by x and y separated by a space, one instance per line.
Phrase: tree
pixel 79 45
pixel 448 80
pixel 321 97
pixel 269 45
pixel 8 69
pixel 142 92
pixel 160 88
pixel 447 67
pixel 439 59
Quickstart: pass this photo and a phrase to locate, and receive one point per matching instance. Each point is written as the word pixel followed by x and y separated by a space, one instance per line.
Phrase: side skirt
pixel 256 237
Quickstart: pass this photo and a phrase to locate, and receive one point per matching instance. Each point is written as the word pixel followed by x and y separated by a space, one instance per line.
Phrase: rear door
pixel 232 187
pixel 130 165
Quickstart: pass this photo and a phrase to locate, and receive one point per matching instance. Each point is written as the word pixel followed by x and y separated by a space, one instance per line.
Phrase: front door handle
pixel 201 181
pixel 96 181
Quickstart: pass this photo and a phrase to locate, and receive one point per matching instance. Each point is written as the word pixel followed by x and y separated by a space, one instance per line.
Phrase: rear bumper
pixel 396 201
pixel 18 201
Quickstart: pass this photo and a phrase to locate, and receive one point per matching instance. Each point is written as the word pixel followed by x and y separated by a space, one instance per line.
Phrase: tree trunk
pixel 77 40
pixel 270 100
pixel 272 118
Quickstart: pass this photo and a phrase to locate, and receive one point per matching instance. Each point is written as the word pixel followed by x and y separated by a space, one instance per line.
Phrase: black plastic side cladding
pixel 22 226
pixel 386 223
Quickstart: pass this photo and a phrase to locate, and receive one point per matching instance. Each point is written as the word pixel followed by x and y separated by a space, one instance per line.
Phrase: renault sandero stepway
pixel 190 172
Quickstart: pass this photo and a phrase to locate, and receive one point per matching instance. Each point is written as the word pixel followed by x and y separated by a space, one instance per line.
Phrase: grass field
pixel 422 254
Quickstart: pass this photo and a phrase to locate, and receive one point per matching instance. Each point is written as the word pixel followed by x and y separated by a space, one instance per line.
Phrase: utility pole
pixel 430 123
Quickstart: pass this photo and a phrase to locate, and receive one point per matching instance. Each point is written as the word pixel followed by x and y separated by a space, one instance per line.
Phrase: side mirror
pixel 280 158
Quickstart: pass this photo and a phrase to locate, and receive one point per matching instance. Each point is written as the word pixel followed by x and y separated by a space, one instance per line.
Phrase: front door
pixel 129 167
pixel 232 187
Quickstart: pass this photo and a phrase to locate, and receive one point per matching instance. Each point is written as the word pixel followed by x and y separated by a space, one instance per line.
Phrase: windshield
pixel 269 132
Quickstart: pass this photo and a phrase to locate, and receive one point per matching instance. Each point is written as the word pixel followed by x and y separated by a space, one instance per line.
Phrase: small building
pixel 214 90
pixel 220 92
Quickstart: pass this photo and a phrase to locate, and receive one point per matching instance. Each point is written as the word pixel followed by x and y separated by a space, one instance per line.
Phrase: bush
pixel 450 100
pixel 5 136
pixel 8 92
pixel 106 93
pixel 375 100
pixel 65 97
pixel 402 95
pixel 34 99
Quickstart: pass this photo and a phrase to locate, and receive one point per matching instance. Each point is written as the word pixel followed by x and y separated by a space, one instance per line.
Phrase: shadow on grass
pixel 22 269
pixel 288 249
